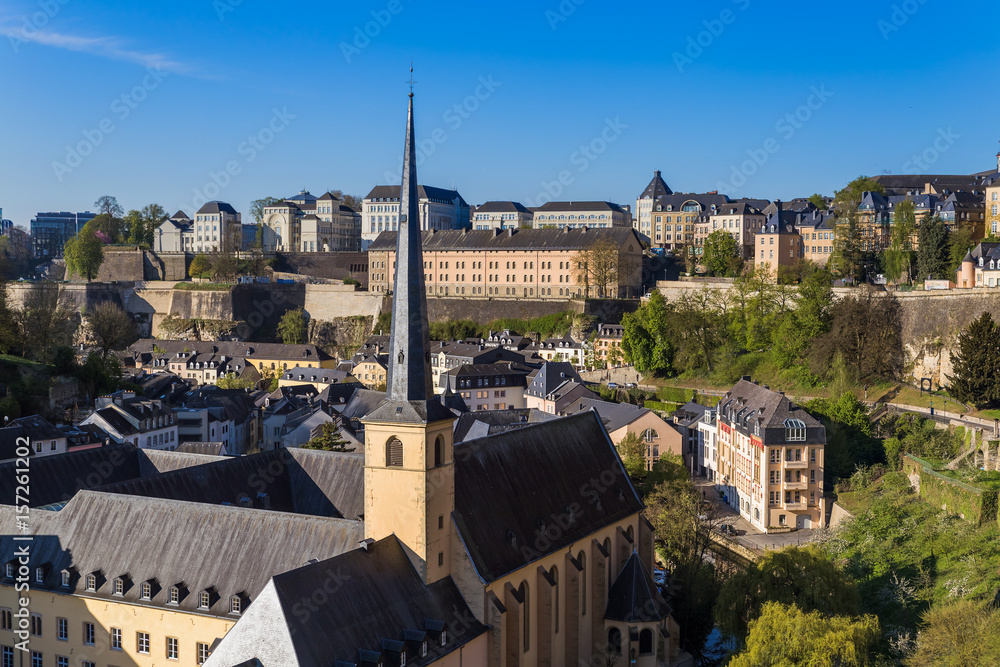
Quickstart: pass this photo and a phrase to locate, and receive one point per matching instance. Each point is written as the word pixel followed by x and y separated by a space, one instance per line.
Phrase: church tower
pixel 409 466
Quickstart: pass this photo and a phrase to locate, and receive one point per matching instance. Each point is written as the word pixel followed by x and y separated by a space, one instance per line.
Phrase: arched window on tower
pixel 438 451
pixel 394 453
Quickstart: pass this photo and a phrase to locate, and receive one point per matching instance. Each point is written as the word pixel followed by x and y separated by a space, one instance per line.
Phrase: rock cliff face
pixel 931 325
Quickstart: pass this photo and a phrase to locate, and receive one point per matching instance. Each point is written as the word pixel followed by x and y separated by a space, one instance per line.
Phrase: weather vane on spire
pixel 411 81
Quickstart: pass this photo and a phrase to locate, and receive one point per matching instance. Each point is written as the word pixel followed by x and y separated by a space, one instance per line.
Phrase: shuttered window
pixel 394 453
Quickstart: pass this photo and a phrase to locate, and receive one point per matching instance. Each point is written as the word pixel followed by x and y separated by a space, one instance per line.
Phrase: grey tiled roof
pixel 217 207
pixel 391 192
pixel 502 207
pixel 656 188
pixel 507 483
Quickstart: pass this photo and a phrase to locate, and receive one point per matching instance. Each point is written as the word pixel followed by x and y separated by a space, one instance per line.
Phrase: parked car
pixel 660 577
pixel 612 385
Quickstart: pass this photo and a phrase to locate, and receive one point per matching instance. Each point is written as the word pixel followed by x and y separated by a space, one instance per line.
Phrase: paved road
pixel 749 536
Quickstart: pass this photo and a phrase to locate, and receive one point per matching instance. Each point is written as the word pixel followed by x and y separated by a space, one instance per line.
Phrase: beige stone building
pixel 658 437
pixel 579 214
pixel 771 458
pixel 777 244
pixel 739 219
pixel 439 209
pixel 516 263
pixel 305 223
pixel 216 227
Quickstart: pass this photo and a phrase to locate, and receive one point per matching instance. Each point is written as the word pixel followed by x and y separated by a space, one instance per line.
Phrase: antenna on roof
pixel 411 81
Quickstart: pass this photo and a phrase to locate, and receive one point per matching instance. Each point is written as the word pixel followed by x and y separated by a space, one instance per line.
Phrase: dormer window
pixel 10 570
pixel 119 586
pixel 423 649
pixel 402 658
pixel 64 578
pixel 91 582
pixel 444 637
pixel 205 600
pixel 235 604
pixel 145 590
pixel 795 430
pixel 173 595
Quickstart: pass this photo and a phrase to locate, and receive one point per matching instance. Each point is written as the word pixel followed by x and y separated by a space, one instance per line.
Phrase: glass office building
pixel 50 231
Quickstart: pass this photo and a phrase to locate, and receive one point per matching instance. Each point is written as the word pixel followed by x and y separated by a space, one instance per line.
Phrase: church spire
pixel 409 376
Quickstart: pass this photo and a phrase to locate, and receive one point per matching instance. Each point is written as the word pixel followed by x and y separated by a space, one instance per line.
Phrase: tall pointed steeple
pixel 409 376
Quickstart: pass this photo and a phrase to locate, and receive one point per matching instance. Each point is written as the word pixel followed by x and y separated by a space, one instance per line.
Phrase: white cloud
pixel 106 47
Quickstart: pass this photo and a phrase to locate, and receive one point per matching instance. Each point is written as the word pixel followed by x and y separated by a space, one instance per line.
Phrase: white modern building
pixel 439 209
pixel 707 460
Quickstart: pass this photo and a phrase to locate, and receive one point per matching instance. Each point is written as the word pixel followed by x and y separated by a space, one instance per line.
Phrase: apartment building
pixel 501 215
pixel 497 386
pixel 514 263
pixel 267 358
pixel 563 348
pixel 676 219
pixel 216 227
pixel 306 223
pixel 658 438
pixel 554 387
pixel 446 355
pixel 41 437
pixel 992 207
pixel 739 219
pixel 644 204
pixel 818 233
pixel 125 417
pixel 579 214
pixel 771 458
pixel 439 209
pixel 607 346
pixel 778 244
pixel 707 464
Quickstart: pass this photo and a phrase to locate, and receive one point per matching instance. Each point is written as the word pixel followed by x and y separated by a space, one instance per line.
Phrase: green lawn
pixel 205 287
pixel 21 361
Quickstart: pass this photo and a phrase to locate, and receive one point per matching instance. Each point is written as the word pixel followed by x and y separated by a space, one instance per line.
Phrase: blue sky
pixel 175 102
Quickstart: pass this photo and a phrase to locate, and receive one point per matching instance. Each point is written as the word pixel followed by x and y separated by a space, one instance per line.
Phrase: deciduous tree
pixel 802 576
pixel 200 265
pixel 962 633
pixel 257 207
pixel 112 327
pixel 293 327
pixel 866 330
pixel 84 252
pixel 722 254
pixel 788 636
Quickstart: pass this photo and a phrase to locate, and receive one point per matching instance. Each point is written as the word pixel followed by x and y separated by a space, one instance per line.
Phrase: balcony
pixel 802 485
pixel 796 465
pixel 800 505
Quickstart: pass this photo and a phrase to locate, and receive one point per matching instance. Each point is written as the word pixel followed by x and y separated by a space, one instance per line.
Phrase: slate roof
pixel 510 239
pixel 673 203
pixel 207 448
pixel 556 206
pixel 613 415
pixel 298 481
pixel 232 550
pixel 217 207
pixel 737 208
pixel 481 423
pixel 748 403
pixel 8 441
pixel 509 486
pixel 550 376
pixel 37 427
pixel 252 351
pixel 634 596
pixel 180 215
pixel 689 414
pixel 380 606
pixel 502 207
pixel 391 193
pixel 656 188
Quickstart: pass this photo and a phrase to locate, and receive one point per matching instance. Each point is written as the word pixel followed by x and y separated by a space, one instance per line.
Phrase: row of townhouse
pixel 203 362
pixel 306 223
